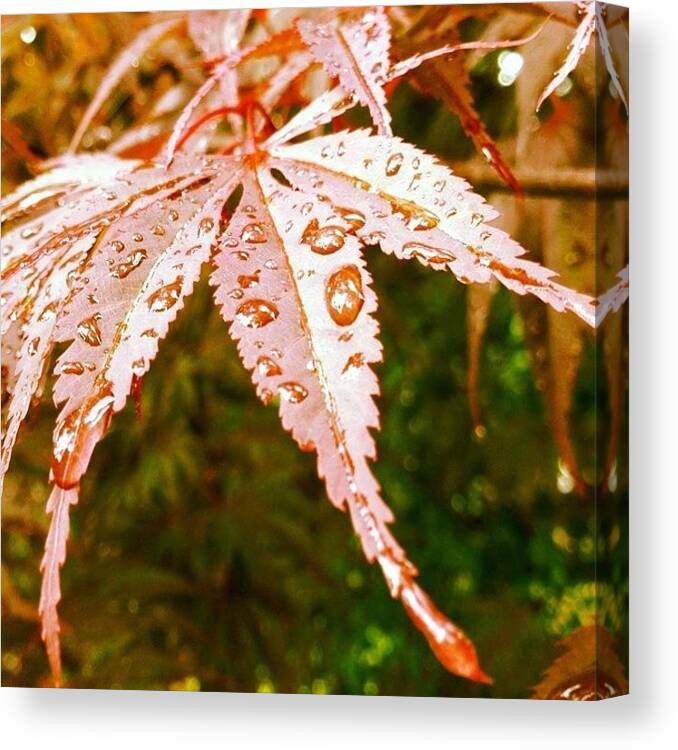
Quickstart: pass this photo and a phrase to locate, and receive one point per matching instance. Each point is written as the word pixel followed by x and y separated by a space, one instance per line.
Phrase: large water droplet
pixel 89 330
pixel 323 240
pixel 256 313
pixel 344 295
pixel 295 393
pixel 253 234
pixel 165 297
pixel 393 164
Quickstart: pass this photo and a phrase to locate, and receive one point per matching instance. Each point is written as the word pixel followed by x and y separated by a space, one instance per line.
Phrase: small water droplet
pixel 294 393
pixel 271 265
pixel 353 363
pixel 344 295
pixel 393 164
pixel 240 254
pixel 253 234
pixel 89 330
pixel 150 333
pixel 133 260
pixel 426 253
pixel 137 237
pixel 33 346
pixel 236 294
pixel 205 226
pixel 165 297
pixel 29 232
pixel 325 152
pixel 248 281
pixel 158 230
pixel 354 218
pixel 476 219
pixel 173 214
pixel 256 313
pixel 341 148
pixel 118 246
pixel 415 217
pixel 306 209
pixel 72 368
pixel 49 311
pixel 266 367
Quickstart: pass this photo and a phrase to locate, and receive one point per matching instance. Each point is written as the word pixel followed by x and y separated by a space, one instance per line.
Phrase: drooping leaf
pixel 592 20
pixel 118 69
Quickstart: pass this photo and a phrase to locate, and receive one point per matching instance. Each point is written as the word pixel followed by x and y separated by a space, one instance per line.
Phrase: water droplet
pixel 306 209
pixel 99 408
pixel 29 232
pixel 416 163
pixel 476 219
pixel 341 148
pixel 33 346
pixel 173 215
pixel 49 311
pixel 344 295
pixel 325 151
pixel 323 240
pixel 133 260
pixel 452 213
pixel 137 237
pixel 246 282
pixel 414 182
pixel 236 294
pixel 118 246
pixel 253 234
pixel 72 368
pixel 393 164
pixel 240 254
pixel 267 367
pixel 426 253
pixel 89 330
pixel 158 230
pixel 294 393
pixel 416 218
pixel 353 363
pixel 256 313
pixel 205 226
pixel 165 297
pixel 149 333
pixel 271 265
pixel 354 218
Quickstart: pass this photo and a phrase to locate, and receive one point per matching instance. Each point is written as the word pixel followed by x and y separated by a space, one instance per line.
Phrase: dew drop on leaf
pixel 323 240
pixel 256 313
pixel 89 330
pixel 353 363
pixel 253 234
pixel 33 346
pixel 247 281
pixel 267 367
pixel 118 246
pixel 72 368
pixel 354 218
pixel 426 253
pixel 344 295
pixel 158 230
pixel 205 226
pixel 133 260
pixel 165 297
pixel 294 393
pixel 393 164
pixel 137 237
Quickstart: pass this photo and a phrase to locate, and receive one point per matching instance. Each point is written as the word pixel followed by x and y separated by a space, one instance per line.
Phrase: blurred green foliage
pixel 204 555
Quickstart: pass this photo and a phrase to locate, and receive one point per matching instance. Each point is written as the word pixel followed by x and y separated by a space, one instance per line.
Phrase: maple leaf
pixel 118 245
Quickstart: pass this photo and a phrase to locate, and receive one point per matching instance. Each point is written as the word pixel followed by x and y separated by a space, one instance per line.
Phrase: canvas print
pixel 407 228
